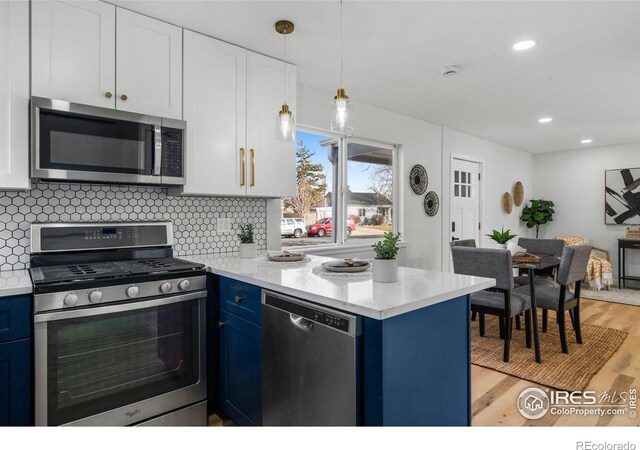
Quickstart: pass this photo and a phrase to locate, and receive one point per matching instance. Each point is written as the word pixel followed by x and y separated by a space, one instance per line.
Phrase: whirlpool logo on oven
pixel 130 414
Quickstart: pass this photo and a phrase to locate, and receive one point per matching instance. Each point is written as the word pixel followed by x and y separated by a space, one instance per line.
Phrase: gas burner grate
pixel 156 263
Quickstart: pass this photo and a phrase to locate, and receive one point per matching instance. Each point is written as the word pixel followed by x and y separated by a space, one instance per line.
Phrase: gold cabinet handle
pixel 244 167
pixel 123 98
pixel 253 167
pixel 237 299
pixel 108 94
pixel 221 324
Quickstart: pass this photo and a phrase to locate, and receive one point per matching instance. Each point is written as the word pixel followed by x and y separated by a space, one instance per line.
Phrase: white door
pixel 149 66
pixel 73 51
pixel 465 200
pixel 272 163
pixel 215 110
pixel 14 95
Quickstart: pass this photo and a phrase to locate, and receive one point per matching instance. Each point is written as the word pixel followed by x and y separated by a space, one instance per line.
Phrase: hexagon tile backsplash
pixel 193 218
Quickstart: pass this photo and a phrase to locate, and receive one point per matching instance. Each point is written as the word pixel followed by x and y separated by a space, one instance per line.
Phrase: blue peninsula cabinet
pixel 16 392
pixel 413 368
pixel 240 351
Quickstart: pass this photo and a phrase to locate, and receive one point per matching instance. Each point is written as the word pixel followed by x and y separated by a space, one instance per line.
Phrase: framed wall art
pixel 622 196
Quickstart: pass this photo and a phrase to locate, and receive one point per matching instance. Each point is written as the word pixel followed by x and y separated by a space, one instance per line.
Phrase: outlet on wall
pixel 223 225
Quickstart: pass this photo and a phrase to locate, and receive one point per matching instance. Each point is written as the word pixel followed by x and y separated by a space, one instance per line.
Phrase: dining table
pixel 546 262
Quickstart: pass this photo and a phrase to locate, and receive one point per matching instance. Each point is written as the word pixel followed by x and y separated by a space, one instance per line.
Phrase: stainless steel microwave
pixel 86 143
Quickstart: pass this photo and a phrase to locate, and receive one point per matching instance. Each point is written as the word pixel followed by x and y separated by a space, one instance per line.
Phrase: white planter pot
pixel 385 270
pixel 248 250
pixel 502 246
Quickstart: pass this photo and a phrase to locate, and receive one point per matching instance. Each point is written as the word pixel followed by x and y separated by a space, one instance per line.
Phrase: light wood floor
pixel 494 394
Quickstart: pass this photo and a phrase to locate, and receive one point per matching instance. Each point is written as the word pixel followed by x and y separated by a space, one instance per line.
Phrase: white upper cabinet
pixel 73 51
pixel 149 66
pixel 14 95
pixel 231 99
pixel 272 163
pixel 214 108
pixel 80 55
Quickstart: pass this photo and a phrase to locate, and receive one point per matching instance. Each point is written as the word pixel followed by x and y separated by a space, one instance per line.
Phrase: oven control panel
pixel 108 294
pixel 49 238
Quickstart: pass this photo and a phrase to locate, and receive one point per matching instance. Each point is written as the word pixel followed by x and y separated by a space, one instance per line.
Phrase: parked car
pixel 325 226
pixel 292 227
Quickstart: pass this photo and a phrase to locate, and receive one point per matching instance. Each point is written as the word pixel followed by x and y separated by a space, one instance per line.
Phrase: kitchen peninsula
pixel 413 357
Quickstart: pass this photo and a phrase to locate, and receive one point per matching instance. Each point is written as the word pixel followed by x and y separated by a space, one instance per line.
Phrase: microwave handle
pixel 157 150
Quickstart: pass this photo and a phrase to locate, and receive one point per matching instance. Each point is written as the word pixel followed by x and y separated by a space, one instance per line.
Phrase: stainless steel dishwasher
pixel 310 363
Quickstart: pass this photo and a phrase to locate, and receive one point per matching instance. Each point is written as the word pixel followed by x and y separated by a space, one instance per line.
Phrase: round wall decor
pixel 507 203
pixel 518 193
pixel 431 203
pixel 418 179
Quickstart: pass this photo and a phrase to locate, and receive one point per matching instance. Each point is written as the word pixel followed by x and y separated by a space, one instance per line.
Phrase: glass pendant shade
pixel 285 124
pixel 342 113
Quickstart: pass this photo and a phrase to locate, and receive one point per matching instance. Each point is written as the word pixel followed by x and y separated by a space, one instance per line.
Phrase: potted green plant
pixel 501 237
pixel 385 264
pixel 540 212
pixel 248 248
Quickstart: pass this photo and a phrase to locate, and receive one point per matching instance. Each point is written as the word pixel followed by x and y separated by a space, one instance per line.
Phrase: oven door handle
pixel 115 308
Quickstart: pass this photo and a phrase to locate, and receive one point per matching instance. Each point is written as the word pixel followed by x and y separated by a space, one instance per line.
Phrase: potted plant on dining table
pixel 501 237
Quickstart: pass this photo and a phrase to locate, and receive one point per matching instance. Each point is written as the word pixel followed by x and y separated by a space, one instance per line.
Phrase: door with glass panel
pixel 465 200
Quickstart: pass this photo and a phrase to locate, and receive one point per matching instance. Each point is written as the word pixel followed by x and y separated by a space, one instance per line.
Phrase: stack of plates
pixel 286 256
pixel 346 266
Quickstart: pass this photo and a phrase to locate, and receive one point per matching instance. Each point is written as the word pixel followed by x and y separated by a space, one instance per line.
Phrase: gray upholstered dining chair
pixel 560 299
pixel 463 243
pixel 499 301
pixel 540 247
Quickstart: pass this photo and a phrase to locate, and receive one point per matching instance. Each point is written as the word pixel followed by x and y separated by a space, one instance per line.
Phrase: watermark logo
pixel 533 403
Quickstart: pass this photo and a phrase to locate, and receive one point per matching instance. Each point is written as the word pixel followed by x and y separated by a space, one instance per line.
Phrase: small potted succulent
pixel 501 237
pixel 385 264
pixel 248 247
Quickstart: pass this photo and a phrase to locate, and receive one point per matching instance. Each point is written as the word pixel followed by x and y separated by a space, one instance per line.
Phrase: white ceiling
pixel 585 71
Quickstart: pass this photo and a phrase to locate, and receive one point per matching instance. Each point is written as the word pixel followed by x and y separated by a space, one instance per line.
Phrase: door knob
pixel 221 324
pixel 108 94
pixel 237 299
pixel 123 98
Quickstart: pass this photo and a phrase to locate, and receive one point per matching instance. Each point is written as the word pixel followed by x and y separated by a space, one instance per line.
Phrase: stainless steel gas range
pixel 119 326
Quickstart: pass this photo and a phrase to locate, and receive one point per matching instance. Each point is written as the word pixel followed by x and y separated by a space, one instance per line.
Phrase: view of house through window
pixel 370 190
pixel 308 218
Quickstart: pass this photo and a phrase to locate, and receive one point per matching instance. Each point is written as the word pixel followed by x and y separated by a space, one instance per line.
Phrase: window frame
pixel 339 234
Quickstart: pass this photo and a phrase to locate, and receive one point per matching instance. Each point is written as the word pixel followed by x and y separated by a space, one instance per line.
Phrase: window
pixel 362 174
pixel 462 184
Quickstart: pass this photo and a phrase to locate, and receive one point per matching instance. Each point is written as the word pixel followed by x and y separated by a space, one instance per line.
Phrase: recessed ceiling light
pixel 545 120
pixel 524 45
pixel 586 141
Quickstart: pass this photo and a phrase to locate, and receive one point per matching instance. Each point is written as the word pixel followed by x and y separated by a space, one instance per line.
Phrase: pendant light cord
pixel 341 51
pixel 284 65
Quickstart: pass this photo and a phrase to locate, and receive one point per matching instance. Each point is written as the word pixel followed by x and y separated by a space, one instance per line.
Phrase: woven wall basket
pixel 518 193
pixel 507 203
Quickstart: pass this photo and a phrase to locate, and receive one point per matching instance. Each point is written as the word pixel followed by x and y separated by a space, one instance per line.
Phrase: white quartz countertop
pixel 414 289
pixel 15 282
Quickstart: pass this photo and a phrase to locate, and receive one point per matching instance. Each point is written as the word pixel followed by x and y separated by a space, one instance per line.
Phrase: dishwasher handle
pixel 301 323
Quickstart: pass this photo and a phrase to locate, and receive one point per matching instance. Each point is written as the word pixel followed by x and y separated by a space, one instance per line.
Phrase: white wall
pixel 501 168
pixel 574 180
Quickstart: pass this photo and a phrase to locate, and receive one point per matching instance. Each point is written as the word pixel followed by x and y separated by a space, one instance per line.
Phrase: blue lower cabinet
pixel 15 383
pixel 240 369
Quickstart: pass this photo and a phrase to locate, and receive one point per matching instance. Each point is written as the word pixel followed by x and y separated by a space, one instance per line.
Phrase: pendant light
pixel 342 114
pixel 285 121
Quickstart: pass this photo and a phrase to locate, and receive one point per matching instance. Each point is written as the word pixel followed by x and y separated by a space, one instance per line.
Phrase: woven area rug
pixel 614 295
pixel 570 372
